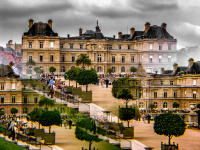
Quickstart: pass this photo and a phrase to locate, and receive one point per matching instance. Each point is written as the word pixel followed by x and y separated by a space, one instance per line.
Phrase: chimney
pixel 31 21
pixel 162 70
pixel 50 23
pixel 119 35
pixel 80 31
pixel 190 61
pixel 164 26
pixel 175 66
pixel 132 31
pixel 68 35
pixel 147 26
pixel 113 36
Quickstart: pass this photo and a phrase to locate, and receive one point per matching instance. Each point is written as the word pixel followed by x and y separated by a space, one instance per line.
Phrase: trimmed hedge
pixel 86 96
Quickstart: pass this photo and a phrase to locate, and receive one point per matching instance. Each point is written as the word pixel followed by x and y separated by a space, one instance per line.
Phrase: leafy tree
pixel 126 95
pixel 35 115
pixel 49 118
pixel 133 69
pixel 14 111
pixel 198 105
pixel 86 77
pixel 72 74
pixel 1 112
pixel 151 107
pixel 109 71
pixel 175 105
pixel 52 69
pixel 86 130
pixel 169 125
pixel 46 102
pixel 30 62
pixel 126 114
pixel 84 60
pixel 38 71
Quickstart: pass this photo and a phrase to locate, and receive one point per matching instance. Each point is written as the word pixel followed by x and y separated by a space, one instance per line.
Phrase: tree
pixel 126 114
pixel 35 115
pixel 72 74
pixel 14 111
pixel 30 63
pixel 86 130
pixel 175 105
pixel 133 69
pixel 1 112
pixel 49 118
pixel 109 71
pixel 169 125
pixel 38 71
pixel 86 77
pixel 151 107
pixel 52 69
pixel 198 114
pixel 83 60
pixel 126 95
pixel 46 102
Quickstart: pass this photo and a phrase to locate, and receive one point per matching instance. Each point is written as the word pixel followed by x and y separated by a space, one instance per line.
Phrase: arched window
pixel 123 69
pixel 99 69
pixel 99 58
pixel 155 104
pixel 165 105
pixel 62 69
pixel 141 105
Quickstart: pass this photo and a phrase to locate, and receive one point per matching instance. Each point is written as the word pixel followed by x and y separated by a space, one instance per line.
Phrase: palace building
pixel 153 47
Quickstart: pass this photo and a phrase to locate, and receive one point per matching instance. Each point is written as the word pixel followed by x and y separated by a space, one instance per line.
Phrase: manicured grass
pixel 9 146
pixel 105 146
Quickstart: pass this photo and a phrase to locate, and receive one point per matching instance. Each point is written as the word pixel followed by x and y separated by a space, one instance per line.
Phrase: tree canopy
pixel 125 94
pixel 38 70
pixel 49 118
pixel 72 74
pixel 30 62
pixel 175 105
pixel 169 125
pixel 35 115
pixel 86 77
pixel 133 69
pixel 46 102
pixel 84 60
pixel 126 114
pixel 109 71
pixel 52 69
pixel 14 111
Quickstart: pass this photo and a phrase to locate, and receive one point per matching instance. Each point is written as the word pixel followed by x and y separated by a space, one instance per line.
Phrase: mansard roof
pixel 40 28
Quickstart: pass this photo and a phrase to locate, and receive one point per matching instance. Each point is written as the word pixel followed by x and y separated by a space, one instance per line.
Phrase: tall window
pixel 30 44
pixel 62 57
pixel 165 105
pixel 98 69
pixel 132 59
pixel 41 44
pixel 30 58
pixel 61 46
pixel 2 99
pixel 171 82
pixel 169 46
pixel 35 99
pixel 2 86
pixel 165 94
pixel 113 69
pixel 194 94
pixel 150 59
pixel 129 47
pixel 169 58
pixel 51 58
pixel 122 69
pixel 161 82
pixel 175 94
pixel 62 69
pixel 13 86
pixel 99 58
pixel 73 58
pixel 194 82
pixel 71 46
pixel 123 59
pixel 160 59
pixel 151 46
pixel 141 105
pixel 81 46
pixel 155 105
pixel 51 44
pixel 119 47
pixel 41 58
pixel 113 59
pixel 110 47
pixel 25 99
pixel 155 94
pixel 13 99
pixel 160 46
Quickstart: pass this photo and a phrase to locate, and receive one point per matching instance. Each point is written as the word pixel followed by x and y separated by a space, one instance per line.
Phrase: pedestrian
pixel 70 124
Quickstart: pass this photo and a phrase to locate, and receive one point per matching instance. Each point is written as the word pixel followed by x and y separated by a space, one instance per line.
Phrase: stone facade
pixel 154 48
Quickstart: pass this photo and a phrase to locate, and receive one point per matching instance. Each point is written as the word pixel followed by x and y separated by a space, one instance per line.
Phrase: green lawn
pixel 9 146
pixel 105 146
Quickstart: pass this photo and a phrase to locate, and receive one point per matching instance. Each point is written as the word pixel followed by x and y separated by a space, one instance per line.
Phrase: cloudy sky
pixel 181 16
